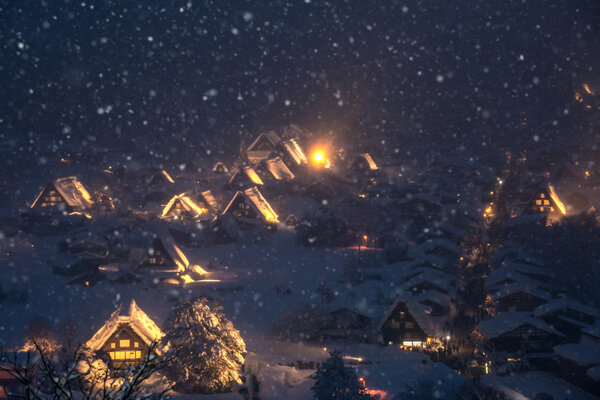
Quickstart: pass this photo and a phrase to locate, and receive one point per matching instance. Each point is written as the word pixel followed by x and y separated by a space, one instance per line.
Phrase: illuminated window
pixel 113 345
pixel 538 202
pixel 119 355
pixel 124 343
pixel 136 344
pixel 130 355
pixel 546 202
pixel 542 196
pixel 138 354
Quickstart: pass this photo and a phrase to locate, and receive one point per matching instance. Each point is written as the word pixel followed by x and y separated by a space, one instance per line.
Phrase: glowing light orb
pixel 318 157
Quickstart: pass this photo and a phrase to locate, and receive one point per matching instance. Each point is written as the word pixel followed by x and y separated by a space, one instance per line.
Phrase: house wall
pixel 125 348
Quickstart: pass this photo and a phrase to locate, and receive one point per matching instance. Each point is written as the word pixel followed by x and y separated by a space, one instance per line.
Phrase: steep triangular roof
pixel 432 326
pixel 366 160
pixel 188 204
pixel 293 149
pixel 256 200
pixel 246 172
pixel 270 139
pixel 543 194
pixel 71 190
pixel 160 177
pixel 136 319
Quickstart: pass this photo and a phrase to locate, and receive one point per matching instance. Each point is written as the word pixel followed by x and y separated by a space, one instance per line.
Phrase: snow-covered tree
pixel 335 381
pixel 206 350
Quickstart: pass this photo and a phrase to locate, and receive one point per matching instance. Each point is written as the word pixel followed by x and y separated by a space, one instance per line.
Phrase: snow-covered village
pixel 299 200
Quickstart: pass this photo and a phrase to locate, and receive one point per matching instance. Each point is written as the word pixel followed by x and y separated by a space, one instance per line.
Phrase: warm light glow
pixel 320 159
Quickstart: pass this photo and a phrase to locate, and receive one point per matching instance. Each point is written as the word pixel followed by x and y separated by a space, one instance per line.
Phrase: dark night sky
pixel 213 72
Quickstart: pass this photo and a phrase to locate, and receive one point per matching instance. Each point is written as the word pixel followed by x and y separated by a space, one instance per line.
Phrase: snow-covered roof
pixel 367 159
pixel 257 202
pixel 513 254
pixel 580 354
pixel 72 191
pixel 440 242
pixel 501 274
pixel 520 287
pixel 440 280
pixel 210 200
pixel 594 373
pixel 136 319
pixel 160 177
pixel 445 229
pixel 249 172
pixel 564 304
pixel 292 147
pixel 434 296
pixel 270 137
pixel 186 202
pixel 220 165
pixel 508 321
pixel 278 170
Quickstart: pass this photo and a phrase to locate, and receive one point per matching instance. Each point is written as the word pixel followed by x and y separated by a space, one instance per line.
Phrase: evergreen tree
pixel 206 350
pixel 335 381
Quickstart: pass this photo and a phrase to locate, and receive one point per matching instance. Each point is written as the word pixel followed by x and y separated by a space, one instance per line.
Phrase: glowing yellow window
pixel 112 355
pixel 113 345
pixel 119 355
pixel 138 354
pixel 130 355
pixel 538 202
pixel 551 209
pixel 136 344
pixel 542 196
pixel 124 343
pixel 546 202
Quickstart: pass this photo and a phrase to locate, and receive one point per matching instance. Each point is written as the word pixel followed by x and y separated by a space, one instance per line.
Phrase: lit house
pixel 409 323
pixel 249 207
pixel 363 163
pixel 546 201
pixel 126 339
pixel 183 206
pixel 67 194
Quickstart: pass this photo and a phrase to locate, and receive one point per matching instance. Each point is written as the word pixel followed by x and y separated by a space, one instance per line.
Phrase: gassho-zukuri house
pixel 67 194
pixel 126 339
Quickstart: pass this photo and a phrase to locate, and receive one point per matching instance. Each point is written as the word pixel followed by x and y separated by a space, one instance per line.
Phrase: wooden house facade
pixel 126 339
